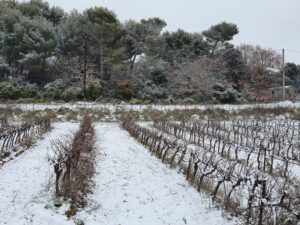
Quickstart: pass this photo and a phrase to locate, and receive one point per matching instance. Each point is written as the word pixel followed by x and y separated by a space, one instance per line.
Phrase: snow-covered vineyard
pixel 131 186
pixel 194 171
pixel 161 107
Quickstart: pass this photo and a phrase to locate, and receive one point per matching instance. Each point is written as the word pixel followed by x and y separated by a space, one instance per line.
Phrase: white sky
pixel 269 23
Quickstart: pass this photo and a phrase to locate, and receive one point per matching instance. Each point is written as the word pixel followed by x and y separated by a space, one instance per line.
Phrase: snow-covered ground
pixel 22 180
pixel 125 106
pixel 135 188
pixel 131 187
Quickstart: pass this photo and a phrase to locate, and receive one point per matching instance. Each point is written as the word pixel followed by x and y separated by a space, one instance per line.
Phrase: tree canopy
pixel 92 54
pixel 217 35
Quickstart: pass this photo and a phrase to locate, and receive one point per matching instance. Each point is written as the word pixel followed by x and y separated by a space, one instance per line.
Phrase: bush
pixel 14 91
pixel 30 91
pixel 201 97
pixel 72 94
pixel 9 91
pixel 126 90
pixel 158 76
pixel 219 87
pixel 227 96
pixel 93 92
pixel 54 89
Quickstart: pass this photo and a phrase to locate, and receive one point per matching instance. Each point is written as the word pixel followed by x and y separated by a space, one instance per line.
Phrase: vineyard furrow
pixel 22 180
pixel 133 187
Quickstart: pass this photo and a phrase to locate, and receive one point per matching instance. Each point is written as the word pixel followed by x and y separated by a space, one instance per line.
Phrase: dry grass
pixel 51 114
pixel 72 116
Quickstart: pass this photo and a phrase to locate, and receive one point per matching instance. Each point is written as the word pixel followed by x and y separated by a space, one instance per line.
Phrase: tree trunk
pixel 85 69
pixel 214 48
pixel 58 173
pixel 101 60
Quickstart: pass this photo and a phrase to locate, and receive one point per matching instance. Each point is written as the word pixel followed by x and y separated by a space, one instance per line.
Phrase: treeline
pixel 48 53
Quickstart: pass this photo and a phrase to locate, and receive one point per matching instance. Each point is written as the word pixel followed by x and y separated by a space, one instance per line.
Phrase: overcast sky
pixel 270 23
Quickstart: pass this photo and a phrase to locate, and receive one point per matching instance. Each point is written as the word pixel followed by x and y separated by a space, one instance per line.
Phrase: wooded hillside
pixel 47 53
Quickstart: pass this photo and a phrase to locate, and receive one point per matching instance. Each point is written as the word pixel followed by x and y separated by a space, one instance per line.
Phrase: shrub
pixel 219 87
pixel 93 92
pixel 9 91
pixel 54 89
pixel 201 97
pixel 14 91
pixel 228 96
pixel 72 93
pixel 158 76
pixel 126 90
pixel 30 91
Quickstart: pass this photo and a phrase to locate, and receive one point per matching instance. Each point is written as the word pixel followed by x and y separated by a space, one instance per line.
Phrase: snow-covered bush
pixel 93 92
pixel 225 95
pixel 9 90
pixel 30 91
pixel 72 93
pixel 219 87
pixel 54 89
